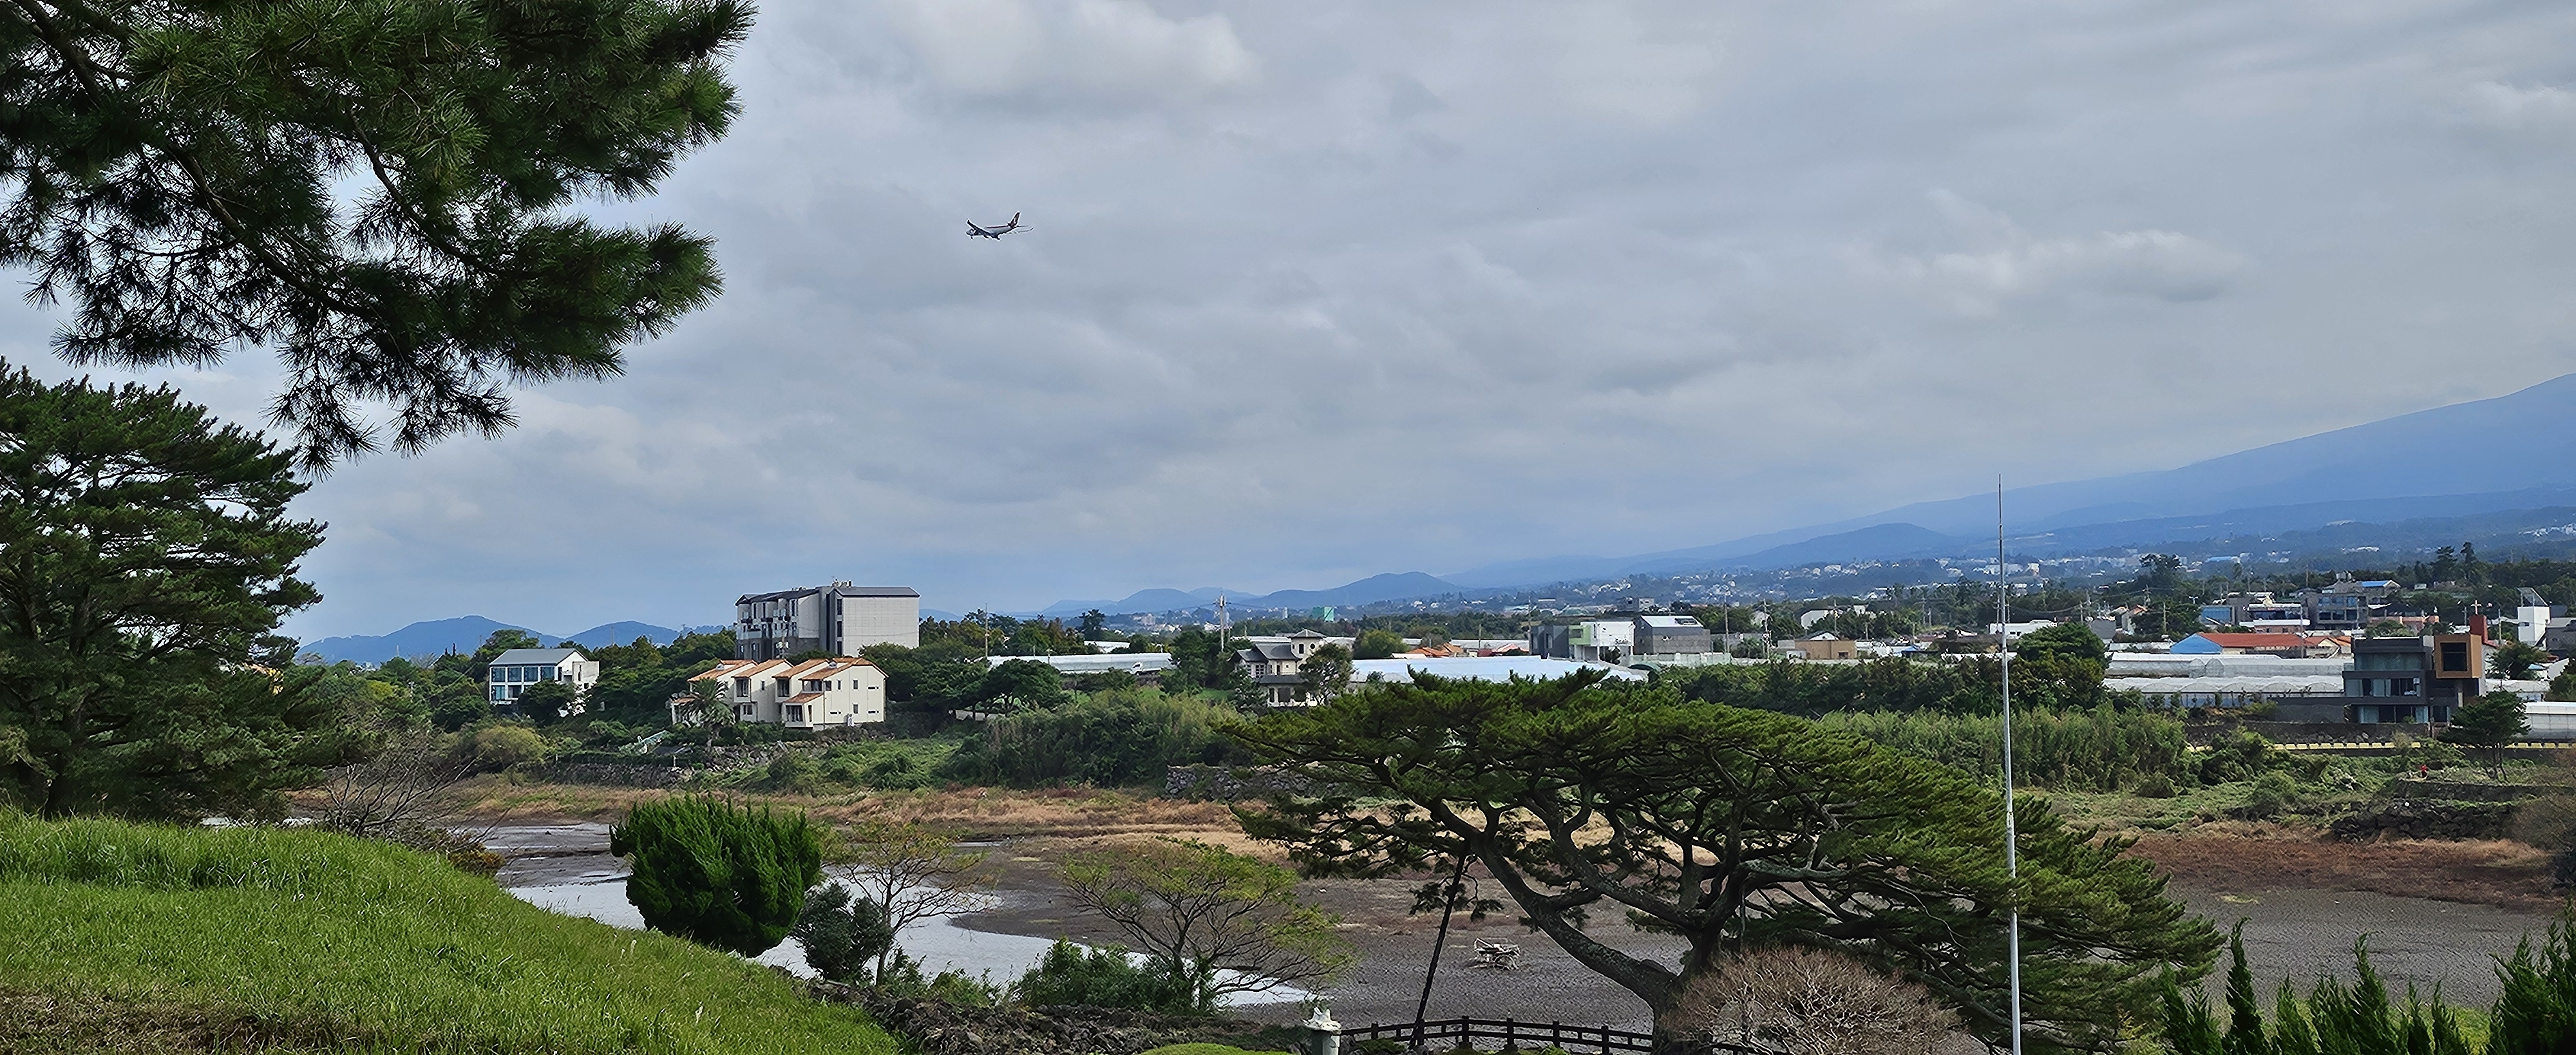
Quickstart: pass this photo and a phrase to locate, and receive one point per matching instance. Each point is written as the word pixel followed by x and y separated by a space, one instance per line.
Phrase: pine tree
pixel 146 559
pixel 379 191
pixel 2245 1035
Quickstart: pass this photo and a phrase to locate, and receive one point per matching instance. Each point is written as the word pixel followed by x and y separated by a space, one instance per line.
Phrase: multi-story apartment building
pixel 840 619
pixel 817 693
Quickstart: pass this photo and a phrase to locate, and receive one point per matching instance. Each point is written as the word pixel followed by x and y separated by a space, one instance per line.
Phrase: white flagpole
pixel 2012 846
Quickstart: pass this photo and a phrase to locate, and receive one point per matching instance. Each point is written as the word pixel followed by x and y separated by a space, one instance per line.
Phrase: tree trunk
pixel 1448 908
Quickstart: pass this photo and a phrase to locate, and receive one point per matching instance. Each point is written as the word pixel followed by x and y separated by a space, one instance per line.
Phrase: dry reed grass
pixel 2234 856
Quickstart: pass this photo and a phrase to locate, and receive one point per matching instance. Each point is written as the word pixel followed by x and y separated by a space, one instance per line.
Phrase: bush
pixel 1114 739
pixel 902 977
pixel 1069 976
pixel 842 933
pixel 1810 1002
pixel 717 873
pixel 2096 749
pixel 2156 786
pixel 2273 793
pixel 498 747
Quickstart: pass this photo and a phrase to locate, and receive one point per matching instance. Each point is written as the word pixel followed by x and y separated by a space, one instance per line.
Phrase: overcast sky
pixel 1320 290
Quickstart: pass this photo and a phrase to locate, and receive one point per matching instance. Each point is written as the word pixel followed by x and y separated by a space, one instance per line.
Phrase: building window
pixel 2455 657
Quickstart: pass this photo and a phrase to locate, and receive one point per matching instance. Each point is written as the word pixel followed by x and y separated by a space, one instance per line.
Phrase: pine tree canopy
pixel 1731 830
pixel 379 191
pixel 145 561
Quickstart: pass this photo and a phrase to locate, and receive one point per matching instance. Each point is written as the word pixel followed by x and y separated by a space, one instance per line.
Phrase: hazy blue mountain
pixel 1393 586
pixel 1154 600
pixel 624 632
pixel 464 633
pixel 1390 587
pixel 2430 463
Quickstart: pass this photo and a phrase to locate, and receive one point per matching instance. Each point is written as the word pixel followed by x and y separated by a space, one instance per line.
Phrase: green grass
pixel 298 940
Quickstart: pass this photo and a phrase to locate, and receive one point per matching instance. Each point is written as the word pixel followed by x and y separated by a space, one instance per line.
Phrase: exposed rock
pixel 2425 819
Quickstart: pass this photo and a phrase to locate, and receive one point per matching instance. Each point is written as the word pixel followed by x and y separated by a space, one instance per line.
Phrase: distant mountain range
pixel 2426 465
pixel 2429 471
pixel 1389 587
pixel 467 633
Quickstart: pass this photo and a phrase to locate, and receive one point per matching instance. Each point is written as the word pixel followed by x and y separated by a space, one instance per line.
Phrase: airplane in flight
pixel 994 232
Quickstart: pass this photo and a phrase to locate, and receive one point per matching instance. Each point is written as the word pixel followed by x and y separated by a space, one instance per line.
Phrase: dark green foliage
pixel 2338 1019
pixel 938 676
pixel 1814 689
pixel 2097 749
pixel 2189 1027
pixel 1199 661
pixel 1017 684
pixel 379 191
pixel 145 561
pixel 637 680
pixel 843 934
pixel 545 702
pixel 1766 831
pixel 2515 660
pixel 1377 644
pixel 2536 1012
pixel 2487 725
pixel 1111 739
pixel 2244 1013
pixel 1105 977
pixel 717 873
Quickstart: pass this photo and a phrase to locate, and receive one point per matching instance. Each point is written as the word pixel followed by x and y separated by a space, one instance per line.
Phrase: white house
pixel 817 693
pixel 512 672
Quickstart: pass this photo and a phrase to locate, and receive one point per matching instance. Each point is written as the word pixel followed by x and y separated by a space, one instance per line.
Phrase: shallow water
pixel 939 943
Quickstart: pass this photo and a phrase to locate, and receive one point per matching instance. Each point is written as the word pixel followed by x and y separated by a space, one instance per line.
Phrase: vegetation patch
pixel 194 939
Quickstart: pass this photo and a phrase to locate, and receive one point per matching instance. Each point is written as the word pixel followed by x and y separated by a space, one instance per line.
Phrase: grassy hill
pixel 124 937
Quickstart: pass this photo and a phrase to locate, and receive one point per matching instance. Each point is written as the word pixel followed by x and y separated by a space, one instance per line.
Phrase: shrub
pixel 2273 793
pixel 497 747
pixel 2156 786
pixel 902 977
pixel 1113 739
pixel 842 934
pixel 716 873
pixel 1070 976
pixel 2096 749
pixel 1811 1002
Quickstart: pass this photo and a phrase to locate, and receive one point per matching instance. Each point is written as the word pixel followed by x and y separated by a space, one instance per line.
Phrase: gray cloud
pixel 1321 290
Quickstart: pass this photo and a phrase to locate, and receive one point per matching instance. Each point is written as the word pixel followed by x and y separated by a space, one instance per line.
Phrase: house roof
pixel 1268 650
pixel 1671 622
pixel 1305 635
pixel 549 656
pixel 804 697
pixel 2255 641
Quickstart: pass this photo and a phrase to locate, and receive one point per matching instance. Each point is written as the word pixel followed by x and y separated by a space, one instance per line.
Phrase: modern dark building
pixel 2336 612
pixel 2413 679
pixel 1669 635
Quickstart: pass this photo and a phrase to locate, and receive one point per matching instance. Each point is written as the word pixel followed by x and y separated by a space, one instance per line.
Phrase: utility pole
pixel 2012 848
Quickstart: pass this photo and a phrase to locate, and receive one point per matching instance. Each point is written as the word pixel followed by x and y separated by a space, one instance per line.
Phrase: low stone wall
pixel 1230 783
pixel 2421 819
pixel 939 1028
pixel 612 774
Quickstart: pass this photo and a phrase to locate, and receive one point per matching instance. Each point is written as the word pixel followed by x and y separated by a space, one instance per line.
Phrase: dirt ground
pixel 2435 913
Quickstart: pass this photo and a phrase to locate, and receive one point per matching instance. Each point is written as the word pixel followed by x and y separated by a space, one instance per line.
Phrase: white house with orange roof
pixel 813 694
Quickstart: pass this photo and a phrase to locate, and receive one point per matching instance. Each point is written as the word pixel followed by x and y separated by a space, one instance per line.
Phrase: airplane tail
pixel 1015 219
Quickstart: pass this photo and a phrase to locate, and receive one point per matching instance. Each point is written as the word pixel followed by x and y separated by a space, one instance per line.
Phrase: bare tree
pixel 403 788
pixel 915 871
pixel 1205 913
pixel 1799 1001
